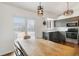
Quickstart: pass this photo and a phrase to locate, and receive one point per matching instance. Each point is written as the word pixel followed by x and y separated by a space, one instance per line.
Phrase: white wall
pixel 39 27
pixel 7 36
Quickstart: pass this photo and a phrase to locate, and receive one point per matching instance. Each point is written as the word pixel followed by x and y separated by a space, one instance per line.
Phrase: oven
pixel 72 33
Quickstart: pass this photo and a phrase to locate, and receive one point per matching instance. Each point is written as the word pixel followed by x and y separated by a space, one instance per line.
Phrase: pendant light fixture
pixel 68 11
pixel 40 10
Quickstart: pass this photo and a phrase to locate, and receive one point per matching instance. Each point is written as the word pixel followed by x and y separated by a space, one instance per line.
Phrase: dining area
pixel 41 47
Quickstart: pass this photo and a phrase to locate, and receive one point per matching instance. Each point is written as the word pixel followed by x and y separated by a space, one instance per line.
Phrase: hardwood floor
pixel 67 43
pixel 76 46
pixel 10 54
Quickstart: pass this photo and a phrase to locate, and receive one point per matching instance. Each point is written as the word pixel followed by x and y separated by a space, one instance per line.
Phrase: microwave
pixel 72 24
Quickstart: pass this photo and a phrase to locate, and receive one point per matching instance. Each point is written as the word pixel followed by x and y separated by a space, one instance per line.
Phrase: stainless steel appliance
pixel 72 33
pixel 73 24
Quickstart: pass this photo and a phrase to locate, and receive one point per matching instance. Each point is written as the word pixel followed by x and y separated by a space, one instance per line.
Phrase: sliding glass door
pixel 31 28
pixel 19 26
pixel 24 26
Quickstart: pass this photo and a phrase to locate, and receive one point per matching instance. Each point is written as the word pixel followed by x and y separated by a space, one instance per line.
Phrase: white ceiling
pixel 53 8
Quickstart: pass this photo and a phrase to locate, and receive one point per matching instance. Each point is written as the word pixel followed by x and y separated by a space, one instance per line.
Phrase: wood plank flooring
pixel 67 43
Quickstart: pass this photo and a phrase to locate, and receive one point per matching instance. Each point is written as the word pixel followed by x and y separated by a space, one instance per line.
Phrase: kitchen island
pixel 41 47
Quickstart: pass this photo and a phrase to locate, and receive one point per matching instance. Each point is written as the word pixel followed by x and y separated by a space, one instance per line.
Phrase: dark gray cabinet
pixel 54 36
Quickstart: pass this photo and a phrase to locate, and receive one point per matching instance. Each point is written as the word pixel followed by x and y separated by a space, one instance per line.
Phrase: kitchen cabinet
pixel 56 36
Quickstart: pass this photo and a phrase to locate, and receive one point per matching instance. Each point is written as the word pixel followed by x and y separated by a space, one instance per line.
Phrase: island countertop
pixel 41 47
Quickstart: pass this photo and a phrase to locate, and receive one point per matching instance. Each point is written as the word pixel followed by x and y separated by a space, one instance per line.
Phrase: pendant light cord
pixel 67 5
pixel 39 3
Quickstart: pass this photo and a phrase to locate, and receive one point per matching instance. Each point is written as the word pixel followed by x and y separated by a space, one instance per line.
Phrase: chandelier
pixel 68 11
pixel 40 10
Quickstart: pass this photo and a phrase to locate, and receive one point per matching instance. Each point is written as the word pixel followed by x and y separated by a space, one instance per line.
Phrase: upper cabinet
pixel 69 22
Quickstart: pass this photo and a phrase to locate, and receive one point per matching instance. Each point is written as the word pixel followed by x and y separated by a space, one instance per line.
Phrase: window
pixel 31 28
pixel 19 26
pixel 19 23
pixel 30 25
pixel 23 25
pixel 50 23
